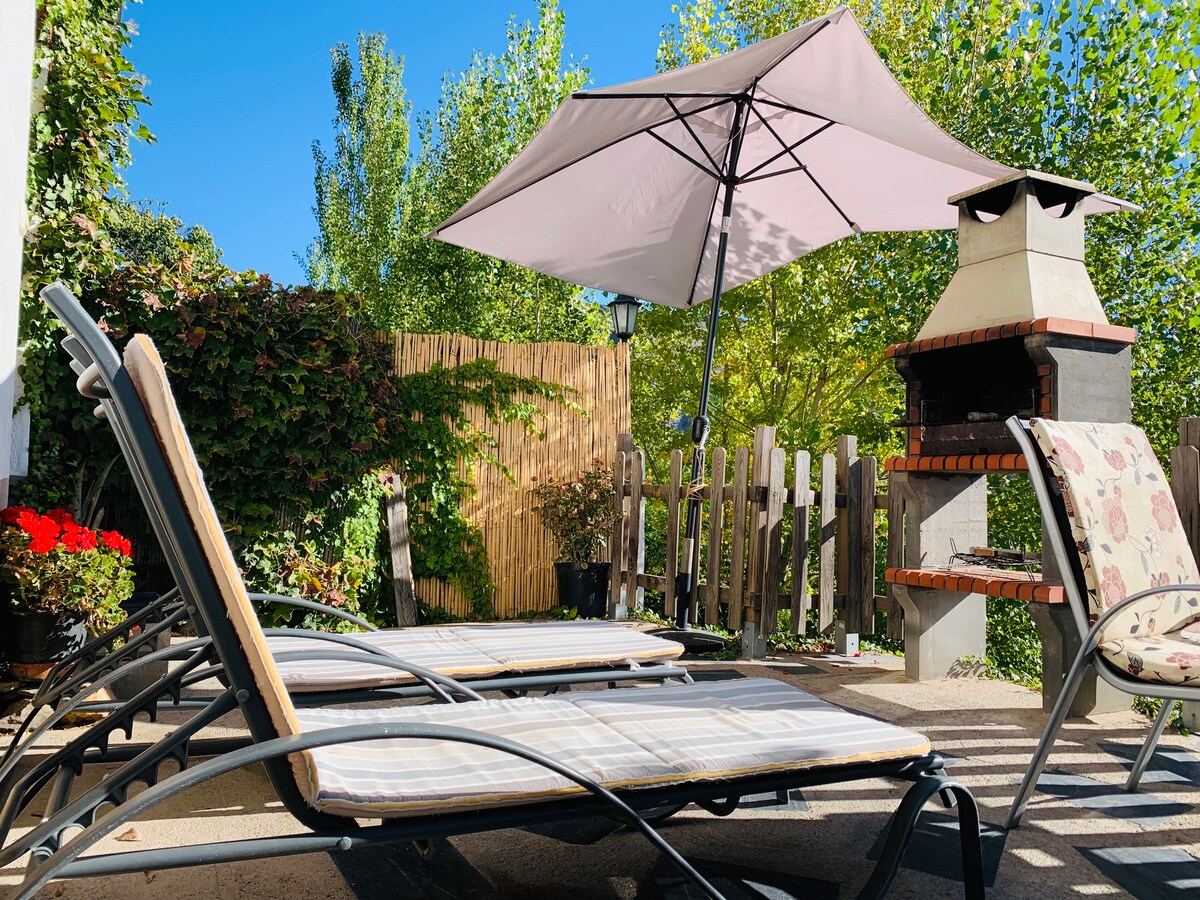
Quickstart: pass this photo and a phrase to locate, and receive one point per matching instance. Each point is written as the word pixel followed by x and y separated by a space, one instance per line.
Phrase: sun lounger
pixel 510 658
pixel 434 770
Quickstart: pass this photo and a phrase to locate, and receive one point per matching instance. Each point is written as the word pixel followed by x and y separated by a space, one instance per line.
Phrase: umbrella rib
pixel 803 168
pixel 691 297
pixel 699 165
pixel 688 125
pixel 787 107
pixel 753 178
pixel 787 148
pixel 656 95
pixel 625 137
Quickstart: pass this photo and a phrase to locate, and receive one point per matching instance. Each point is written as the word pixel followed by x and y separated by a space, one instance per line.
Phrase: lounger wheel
pixel 426 849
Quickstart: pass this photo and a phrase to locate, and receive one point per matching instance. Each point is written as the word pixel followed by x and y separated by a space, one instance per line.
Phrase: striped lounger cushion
pixel 621 738
pixel 473 651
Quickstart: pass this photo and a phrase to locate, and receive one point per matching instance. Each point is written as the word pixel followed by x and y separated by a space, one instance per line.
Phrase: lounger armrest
pixel 315 607
pixel 1093 636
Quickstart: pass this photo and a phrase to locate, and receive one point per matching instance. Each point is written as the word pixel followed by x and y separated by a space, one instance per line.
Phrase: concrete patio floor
pixel 1082 836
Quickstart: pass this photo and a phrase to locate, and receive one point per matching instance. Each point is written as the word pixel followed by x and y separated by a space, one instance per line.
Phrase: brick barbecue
pixel 1018 331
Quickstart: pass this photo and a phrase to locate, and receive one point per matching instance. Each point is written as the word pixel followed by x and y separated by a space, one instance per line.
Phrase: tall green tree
pixel 359 190
pixel 375 204
pixel 1102 90
pixel 484 118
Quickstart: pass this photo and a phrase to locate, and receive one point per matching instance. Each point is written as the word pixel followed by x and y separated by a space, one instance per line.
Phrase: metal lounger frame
pixel 1058 530
pixel 51 857
pixel 96 363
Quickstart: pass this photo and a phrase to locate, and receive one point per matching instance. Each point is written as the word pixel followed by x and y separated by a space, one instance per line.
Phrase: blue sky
pixel 240 89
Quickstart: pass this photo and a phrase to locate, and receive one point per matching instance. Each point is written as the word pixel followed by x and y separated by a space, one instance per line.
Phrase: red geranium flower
pixel 60 516
pixel 70 540
pixel 10 514
pixel 42 544
pixel 38 527
pixel 113 541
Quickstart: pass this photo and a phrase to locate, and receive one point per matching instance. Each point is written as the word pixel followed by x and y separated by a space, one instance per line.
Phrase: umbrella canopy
pixel 676 187
pixel 624 188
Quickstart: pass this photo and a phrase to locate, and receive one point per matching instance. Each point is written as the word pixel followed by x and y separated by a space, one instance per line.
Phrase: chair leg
pixel 1147 751
pixel 900 830
pixel 1062 706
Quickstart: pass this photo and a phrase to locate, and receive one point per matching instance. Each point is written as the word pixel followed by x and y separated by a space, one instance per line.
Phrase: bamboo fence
pixel 519 550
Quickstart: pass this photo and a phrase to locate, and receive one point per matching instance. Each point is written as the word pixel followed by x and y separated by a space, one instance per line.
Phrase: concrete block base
pixel 753 646
pixel 940 628
pixel 845 643
pixel 1191 715
pixel 1060 644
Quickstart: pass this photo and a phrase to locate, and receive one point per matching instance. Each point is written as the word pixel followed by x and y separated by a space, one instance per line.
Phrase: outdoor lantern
pixel 624 315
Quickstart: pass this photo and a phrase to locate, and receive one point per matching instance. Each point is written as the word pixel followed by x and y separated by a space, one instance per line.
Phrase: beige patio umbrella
pixel 676 187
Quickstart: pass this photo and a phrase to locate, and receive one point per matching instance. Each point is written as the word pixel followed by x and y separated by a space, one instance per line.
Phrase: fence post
pixel 617 543
pixel 753 640
pixel 801 506
pixel 1185 486
pixel 845 640
pixel 860 546
pixel 772 568
pixel 737 553
pixel 635 548
pixel 674 495
pixel 828 531
pixel 403 588
pixel 716 522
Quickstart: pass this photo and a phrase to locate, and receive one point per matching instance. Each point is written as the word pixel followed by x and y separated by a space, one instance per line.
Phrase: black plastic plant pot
pixel 584 587
pixel 37 640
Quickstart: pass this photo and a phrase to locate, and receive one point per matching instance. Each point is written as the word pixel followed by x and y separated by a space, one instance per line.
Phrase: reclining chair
pixel 454 768
pixel 1129 573
pixel 510 657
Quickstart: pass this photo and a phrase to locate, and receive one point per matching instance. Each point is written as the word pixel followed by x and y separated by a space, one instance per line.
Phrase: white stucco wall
pixel 16 67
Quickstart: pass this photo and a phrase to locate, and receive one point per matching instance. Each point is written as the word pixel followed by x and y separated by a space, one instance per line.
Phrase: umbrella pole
pixel 686 580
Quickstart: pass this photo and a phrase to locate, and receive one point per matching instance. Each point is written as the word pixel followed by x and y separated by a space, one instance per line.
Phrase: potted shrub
pixel 62 581
pixel 579 515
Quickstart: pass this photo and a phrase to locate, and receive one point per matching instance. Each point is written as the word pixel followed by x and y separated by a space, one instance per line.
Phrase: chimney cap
pixel 1082 187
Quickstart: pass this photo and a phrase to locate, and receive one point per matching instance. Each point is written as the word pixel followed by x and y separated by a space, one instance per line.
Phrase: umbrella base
pixel 694 640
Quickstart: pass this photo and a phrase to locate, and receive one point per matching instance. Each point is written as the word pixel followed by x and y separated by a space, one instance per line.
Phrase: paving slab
pixel 1083 836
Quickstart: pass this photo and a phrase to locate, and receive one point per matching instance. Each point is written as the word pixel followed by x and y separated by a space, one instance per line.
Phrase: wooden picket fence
pixel 1185 479
pixel 746 568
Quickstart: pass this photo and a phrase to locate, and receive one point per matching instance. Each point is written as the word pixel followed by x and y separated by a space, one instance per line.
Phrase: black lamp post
pixel 624 316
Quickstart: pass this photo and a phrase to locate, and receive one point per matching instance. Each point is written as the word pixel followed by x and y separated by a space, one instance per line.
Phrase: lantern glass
pixel 624 311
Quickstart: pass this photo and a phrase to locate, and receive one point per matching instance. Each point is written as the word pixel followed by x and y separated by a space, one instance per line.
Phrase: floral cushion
pixel 1170 659
pixel 1129 538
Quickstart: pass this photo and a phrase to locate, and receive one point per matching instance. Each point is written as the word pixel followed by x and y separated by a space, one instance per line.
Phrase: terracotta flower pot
pixel 584 586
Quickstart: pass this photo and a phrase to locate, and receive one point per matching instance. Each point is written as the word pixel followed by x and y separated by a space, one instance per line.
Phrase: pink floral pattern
pixel 1129 538
pixel 1165 514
